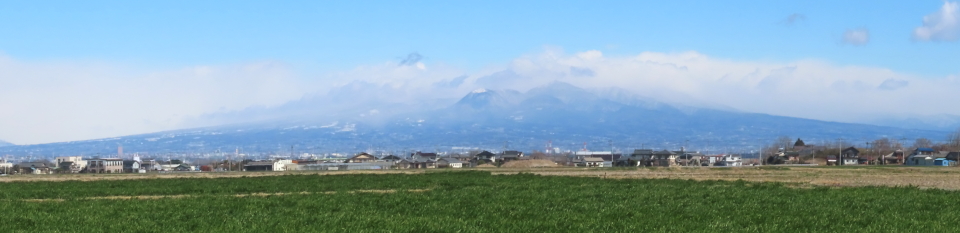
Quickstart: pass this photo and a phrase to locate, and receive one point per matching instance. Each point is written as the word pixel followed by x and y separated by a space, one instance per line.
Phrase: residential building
pixel 149 165
pixel 850 156
pixel 449 163
pixel 270 165
pixel 485 156
pixel 361 158
pixel 70 164
pixel 641 157
pixel 510 155
pixel 108 165
pixel 832 160
pixel 664 158
pixel 432 156
pixel 591 162
pixel 895 157
pixel 417 163
pixel 733 160
pixel 391 158
pixel 922 157
pixel 605 155
pixel 35 168
pixel 799 145
pixel 953 156
pixel 133 166
pixel 5 167
pixel 689 158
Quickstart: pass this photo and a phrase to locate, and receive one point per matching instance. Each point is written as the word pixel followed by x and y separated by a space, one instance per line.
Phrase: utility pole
pixel 760 152
pixel 840 156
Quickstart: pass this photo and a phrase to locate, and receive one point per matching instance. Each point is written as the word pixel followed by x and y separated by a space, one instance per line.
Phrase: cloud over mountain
pixel 943 25
pixel 72 101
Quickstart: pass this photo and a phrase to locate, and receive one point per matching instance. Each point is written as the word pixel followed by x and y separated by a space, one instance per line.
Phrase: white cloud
pixel 943 25
pixel 860 36
pixel 804 88
pixel 63 101
pixel 51 101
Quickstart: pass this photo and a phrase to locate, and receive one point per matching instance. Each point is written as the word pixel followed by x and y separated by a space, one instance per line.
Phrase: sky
pixel 76 70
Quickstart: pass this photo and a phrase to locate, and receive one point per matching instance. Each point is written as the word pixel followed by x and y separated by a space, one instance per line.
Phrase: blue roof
pixel 925 149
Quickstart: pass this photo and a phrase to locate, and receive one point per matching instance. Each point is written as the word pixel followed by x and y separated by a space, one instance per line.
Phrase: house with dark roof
pixel 799 145
pixel 664 158
pixel 391 158
pixel 895 157
pixel 953 156
pixel 449 163
pixel 432 156
pixel 485 156
pixel 416 163
pixel 274 165
pixel 258 166
pixel 361 158
pixel 132 166
pixel 35 168
pixel 689 159
pixel 640 157
pixel 921 157
pixel 850 156
pixel 607 156
pixel 590 162
pixel 511 155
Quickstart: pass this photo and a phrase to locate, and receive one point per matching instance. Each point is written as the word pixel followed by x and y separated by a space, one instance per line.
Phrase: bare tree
pixel 883 146
pixel 953 140
pixel 922 142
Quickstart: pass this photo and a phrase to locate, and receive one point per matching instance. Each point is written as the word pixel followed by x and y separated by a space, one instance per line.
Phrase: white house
pixel 592 162
pixel 850 161
pixel 732 161
pixel 281 164
pixel 6 167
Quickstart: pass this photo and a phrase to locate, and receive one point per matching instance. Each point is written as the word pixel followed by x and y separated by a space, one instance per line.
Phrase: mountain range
pixel 569 117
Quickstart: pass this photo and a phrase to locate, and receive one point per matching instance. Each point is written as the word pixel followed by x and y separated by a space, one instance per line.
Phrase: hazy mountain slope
pixel 493 119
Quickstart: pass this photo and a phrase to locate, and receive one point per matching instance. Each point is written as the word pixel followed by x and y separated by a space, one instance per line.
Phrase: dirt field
pixel 924 177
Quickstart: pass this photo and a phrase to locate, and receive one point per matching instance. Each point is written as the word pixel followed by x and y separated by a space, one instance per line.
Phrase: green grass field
pixel 466 202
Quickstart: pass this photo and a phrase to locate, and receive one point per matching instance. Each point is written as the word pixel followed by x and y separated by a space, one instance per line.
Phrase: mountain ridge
pixel 567 115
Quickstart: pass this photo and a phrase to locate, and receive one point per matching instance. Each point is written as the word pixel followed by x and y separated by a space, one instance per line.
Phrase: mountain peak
pixel 482 98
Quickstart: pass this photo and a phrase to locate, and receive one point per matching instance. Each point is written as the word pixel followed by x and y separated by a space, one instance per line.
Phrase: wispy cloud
pixel 793 19
pixel 943 25
pixel 860 36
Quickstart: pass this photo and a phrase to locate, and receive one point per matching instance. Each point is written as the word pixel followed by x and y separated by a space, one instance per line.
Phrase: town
pixel 797 153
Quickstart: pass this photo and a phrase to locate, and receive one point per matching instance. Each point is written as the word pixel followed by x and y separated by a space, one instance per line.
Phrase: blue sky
pixel 471 34
pixel 73 70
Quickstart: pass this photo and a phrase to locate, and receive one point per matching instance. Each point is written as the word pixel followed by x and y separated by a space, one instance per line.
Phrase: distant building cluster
pixel 800 153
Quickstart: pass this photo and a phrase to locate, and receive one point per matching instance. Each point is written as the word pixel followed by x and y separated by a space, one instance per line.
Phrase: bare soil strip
pixel 923 177
pixel 152 197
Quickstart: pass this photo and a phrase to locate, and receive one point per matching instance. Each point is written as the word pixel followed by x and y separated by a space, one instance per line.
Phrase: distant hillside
pixel 567 116
pixel 5 143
